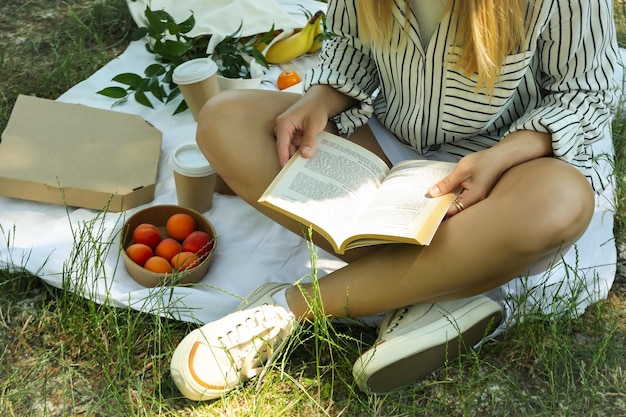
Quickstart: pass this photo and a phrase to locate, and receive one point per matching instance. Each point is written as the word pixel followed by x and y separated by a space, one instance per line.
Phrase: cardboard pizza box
pixel 79 156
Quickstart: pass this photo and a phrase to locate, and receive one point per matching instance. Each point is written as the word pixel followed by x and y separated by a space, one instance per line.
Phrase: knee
pixel 569 204
pixel 216 115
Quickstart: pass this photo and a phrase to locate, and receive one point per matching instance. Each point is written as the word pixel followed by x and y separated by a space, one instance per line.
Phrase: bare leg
pixel 525 217
pixel 534 208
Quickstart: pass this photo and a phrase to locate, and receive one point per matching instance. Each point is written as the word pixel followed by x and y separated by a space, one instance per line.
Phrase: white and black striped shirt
pixel 560 81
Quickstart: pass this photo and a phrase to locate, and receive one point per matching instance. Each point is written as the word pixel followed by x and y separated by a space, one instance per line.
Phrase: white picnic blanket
pixel 48 240
pixel 44 238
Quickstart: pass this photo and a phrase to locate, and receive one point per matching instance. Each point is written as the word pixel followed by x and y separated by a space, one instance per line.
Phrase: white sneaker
pixel 416 340
pixel 219 356
pixel 262 295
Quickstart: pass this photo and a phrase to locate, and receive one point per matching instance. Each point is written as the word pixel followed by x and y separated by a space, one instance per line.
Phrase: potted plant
pixel 240 61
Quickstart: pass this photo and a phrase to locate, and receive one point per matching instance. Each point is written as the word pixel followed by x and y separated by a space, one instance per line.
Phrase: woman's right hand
pixel 297 127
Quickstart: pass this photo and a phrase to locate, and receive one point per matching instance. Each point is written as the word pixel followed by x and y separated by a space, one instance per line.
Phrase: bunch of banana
pixel 317 40
pixel 298 44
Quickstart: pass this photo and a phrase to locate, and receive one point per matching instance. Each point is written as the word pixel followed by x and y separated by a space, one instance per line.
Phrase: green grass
pixel 52 45
pixel 63 355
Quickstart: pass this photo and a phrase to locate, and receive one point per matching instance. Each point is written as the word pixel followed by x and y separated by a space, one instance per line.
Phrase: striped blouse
pixel 560 81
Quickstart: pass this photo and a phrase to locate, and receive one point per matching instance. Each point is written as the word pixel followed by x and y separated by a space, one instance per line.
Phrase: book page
pixel 329 188
pixel 401 206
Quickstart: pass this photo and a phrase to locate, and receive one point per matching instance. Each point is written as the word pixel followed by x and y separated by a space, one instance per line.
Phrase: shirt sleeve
pixel 577 54
pixel 346 65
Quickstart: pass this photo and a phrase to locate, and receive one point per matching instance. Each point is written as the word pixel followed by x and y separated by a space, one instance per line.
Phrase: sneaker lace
pixel 395 321
pixel 253 341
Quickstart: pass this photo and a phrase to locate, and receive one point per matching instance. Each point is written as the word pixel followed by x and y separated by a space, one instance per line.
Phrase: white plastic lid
pixel 194 71
pixel 188 160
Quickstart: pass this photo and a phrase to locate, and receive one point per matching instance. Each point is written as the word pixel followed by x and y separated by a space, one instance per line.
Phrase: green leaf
pixel 233 66
pixel 163 16
pixel 181 107
pixel 144 85
pixel 155 26
pixel 141 98
pixel 155 88
pixel 173 28
pixel 306 12
pixel 177 48
pixel 187 25
pixel 167 79
pixel 158 46
pixel 168 52
pixel 259 57
pixel 129 79
pixel 268 36
pixel 235 34
pixel 138 34
pixel 113 92
pixel 175 92
pixel 154 70
pixel 181 28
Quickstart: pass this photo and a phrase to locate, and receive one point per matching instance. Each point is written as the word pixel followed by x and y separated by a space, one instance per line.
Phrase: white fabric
pixel 251 249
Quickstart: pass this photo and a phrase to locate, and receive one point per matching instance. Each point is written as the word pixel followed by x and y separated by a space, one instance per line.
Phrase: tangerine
pixel 158 264
pixel 139 253
pixel 184 260
pixel 148 234
pixel 167 248
pixel 180 225
pixel 287 79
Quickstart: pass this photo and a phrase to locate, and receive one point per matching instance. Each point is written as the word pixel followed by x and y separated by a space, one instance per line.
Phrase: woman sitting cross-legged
pixel 521 93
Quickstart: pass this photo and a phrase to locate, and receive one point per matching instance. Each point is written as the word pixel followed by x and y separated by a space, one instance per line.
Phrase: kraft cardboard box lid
pixel 78 155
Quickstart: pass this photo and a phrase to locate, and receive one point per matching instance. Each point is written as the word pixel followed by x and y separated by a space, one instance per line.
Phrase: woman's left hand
pixel 475 175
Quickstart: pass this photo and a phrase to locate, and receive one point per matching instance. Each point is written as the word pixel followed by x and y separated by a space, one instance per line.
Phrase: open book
pixel 348 195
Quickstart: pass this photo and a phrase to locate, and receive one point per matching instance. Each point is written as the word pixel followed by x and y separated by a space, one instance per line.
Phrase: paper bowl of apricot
pixel 167 245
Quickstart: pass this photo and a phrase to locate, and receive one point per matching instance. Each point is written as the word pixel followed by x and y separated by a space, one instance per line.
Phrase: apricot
pixel 159 265
pixel 167 248
pixel 139 253
pixel 184 260
pixel 180 225
pixel 148 234
pixel 198 242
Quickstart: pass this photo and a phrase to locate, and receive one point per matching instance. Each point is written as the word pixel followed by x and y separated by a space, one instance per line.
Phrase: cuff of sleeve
pixel 564 126
pixel 357 116
pixel 349 120
pixel 572 141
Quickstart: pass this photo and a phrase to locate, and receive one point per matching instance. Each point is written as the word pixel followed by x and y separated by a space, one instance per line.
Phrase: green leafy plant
pixel 233 54
pixel 171 45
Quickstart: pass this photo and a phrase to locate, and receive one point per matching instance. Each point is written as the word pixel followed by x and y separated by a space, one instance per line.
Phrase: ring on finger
pixel 459 206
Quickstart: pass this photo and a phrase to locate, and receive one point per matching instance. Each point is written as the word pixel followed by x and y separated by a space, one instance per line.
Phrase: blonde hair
pixel 488 31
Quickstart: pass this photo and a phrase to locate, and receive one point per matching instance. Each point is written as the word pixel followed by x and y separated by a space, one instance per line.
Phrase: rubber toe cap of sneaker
pixel 200 372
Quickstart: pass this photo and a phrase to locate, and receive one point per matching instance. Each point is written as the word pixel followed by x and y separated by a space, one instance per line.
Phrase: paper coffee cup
pixel 197 80
pixel 194 177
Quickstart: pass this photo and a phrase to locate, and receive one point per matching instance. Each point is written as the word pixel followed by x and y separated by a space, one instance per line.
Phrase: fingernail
pixel 305 151
pixel 434 191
